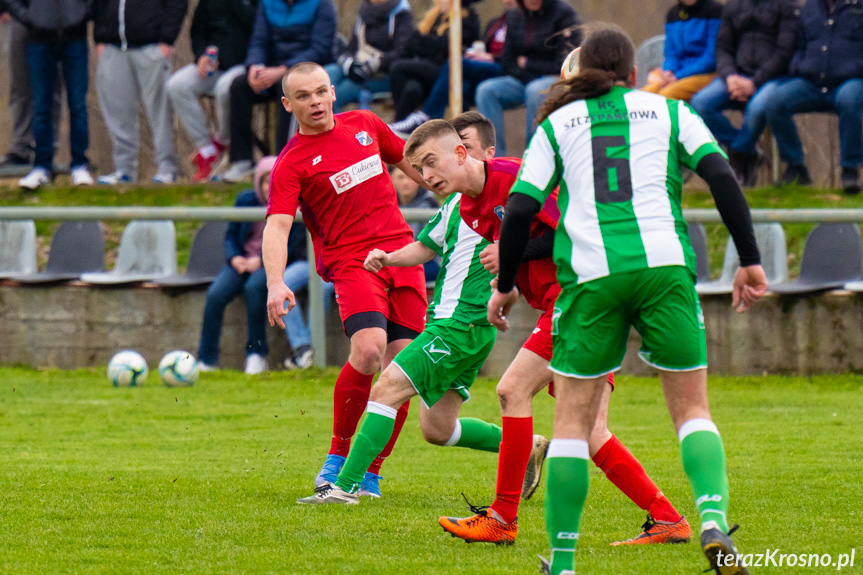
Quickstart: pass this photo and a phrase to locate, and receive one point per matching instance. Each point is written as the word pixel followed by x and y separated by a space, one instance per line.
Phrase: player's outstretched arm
pixel 409 171
pixel 412 254
pixel 275 256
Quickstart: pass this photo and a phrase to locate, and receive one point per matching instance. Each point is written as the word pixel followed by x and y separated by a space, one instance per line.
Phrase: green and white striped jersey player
pixel 441 364
pixel 624 259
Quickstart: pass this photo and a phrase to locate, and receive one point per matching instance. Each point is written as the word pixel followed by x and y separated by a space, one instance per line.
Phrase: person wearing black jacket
pixel 412 77
pixel 57 35
pixel 227 25
pixel 540 34
pixel 827 72
pixel 753 48
pixel 134 43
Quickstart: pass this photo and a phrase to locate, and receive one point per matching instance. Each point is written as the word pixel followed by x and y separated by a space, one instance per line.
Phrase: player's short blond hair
pixel 430 130
pixel 301 68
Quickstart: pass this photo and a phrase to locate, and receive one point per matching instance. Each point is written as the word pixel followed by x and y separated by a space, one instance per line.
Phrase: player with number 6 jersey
pixel 333 171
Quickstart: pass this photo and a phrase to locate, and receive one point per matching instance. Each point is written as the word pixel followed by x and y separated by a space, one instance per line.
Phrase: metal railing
pixel 315 292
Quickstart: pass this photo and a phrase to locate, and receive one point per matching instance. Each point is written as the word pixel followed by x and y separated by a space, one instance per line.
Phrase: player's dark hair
pixel 429 130
pixel 607 56
pixel 484 127
pixel 301 68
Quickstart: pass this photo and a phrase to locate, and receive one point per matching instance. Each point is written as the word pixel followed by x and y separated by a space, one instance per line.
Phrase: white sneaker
pixel 81 176
pixel 255 364
pixel 204 367
pixel 303 360
pixel 165 178
pixel 239 171
pixel 36 178
pixel 114 178
pixel 330 493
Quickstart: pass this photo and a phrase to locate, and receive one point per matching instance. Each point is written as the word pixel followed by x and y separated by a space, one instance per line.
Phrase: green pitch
pixel 95 479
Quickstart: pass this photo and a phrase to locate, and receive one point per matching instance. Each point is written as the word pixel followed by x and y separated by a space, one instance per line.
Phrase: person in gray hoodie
pixel 57 35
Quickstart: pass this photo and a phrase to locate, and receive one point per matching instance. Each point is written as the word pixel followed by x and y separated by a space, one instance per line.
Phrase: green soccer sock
pixel 704 463
pixel 567 472
pixel 476 434
pixel 373 437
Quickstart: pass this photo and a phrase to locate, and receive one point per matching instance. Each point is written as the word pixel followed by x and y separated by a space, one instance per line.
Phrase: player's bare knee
pixel 510 395
pixel 366 356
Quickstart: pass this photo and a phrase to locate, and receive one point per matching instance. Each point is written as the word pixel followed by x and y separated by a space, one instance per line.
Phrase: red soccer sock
pixel 349 403
pixel 401 416
pixel 624 470
pixel 515 446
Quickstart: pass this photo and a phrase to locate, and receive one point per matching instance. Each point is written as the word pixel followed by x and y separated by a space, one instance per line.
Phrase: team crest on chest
pixel 364 138
pixel 499 211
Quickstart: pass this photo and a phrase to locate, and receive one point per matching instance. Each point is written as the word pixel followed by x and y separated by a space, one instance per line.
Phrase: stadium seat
pixel 699 245
pixel 206 258
pixel 77 247
pixel 771 244
pixel 148 250
pixel 832 257
pixel 650 55
pixel 17 248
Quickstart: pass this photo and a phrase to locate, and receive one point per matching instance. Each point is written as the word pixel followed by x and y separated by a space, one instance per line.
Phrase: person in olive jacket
pixel 134 44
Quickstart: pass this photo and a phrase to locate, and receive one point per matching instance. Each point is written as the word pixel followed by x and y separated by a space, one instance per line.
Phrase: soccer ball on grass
pixel 178 369
pixel 127 369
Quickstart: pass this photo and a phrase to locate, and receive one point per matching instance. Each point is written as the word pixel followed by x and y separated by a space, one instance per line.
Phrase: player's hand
pixel 490 258
pixel 749 285
pixel 498 307
pixel 277 296
pixel 376 260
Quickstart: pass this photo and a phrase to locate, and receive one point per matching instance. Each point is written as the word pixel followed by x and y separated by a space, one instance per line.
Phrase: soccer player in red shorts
pixel 334 171
pixel 485 183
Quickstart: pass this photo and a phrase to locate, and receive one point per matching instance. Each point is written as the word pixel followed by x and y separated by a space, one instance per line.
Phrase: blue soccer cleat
pixel 330 471
pixel 370 487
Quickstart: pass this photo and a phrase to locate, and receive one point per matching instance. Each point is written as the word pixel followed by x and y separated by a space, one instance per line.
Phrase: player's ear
pixel 489 153
pixel 333 91
pixel 461 153
pixel 286 104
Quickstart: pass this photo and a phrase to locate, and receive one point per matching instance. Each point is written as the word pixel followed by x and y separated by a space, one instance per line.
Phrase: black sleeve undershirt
pixel 732 206
pixel 514 236
pixel 540 247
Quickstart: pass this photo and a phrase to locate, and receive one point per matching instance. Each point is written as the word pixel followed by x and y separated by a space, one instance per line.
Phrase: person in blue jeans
pixel 828 77
pixel 243 273
pixel 539 36
pixel 57 34
pixel 297 278
pixel 754 45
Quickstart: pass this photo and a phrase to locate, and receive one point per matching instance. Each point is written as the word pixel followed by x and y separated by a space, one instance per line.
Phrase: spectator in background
pixel 477 65
pixel 134 43
pixel 828 76
pixel 296 277
pixel 285 33
pixel 57 35
pixel 243 273
pixel 411 195
pixel 381 36
pixel 538 38
pixel 755 43
pixel 227 25
pixel 691 27
pixel 412 77
pixel 20 97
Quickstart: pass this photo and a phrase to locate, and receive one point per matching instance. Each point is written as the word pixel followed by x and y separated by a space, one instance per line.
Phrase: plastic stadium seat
pixel 771 243
pixel 148 250
pixel 650 55
pixel 205 259
pixel 832 257
pixel 699 245
pixel 77 247
pixel 17 248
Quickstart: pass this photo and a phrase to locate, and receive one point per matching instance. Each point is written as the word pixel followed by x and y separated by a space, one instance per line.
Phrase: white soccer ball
pixel 127 369
pixel 178 369
pixel 569 70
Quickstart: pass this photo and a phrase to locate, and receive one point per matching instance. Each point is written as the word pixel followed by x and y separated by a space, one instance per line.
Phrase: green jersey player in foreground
pixel 624 259
pixel 440 365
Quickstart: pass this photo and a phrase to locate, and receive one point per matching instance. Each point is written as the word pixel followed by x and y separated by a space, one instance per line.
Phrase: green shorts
pixel 446 355
pixel 591 323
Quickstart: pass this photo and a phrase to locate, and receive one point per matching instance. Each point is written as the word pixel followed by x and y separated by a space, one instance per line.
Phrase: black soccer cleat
pixel 721 552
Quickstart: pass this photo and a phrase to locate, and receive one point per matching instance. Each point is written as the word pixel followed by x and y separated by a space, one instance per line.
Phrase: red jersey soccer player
pixel 485 186
pixel 333 170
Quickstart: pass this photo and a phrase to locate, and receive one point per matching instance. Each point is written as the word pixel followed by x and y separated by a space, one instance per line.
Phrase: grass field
pixel 203 480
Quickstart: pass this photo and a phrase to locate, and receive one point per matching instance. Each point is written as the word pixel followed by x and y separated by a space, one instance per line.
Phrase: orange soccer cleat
pixel 482 527
pixel 660 532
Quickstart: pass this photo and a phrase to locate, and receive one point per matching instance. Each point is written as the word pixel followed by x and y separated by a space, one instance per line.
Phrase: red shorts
pixel 398 293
